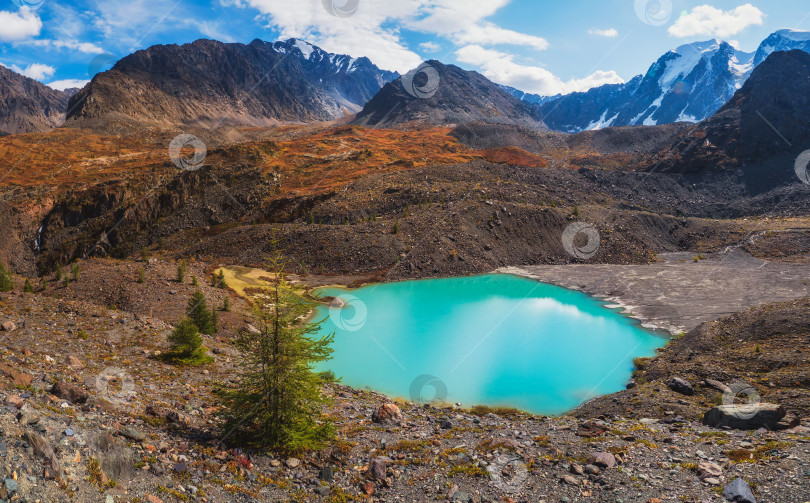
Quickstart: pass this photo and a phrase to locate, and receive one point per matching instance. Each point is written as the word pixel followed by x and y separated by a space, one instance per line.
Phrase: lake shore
pixel 679 292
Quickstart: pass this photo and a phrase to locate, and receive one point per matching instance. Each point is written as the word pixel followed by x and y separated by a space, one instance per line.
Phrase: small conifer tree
pixel 198 312
pixel 6 279
pixel 276 400
pixel 186 345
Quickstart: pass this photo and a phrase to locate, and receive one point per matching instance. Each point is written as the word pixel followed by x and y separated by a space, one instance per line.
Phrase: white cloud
pixel 214 31
pixel 705 20
pixel 609 33
pixel 19 25
pixel 369 32
pixel 36 71
pixel 61 85
pixel 430 46
pixel 75 45
pixel 501 67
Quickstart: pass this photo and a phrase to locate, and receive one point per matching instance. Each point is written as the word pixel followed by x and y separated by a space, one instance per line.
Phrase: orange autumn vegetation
pixel 317 162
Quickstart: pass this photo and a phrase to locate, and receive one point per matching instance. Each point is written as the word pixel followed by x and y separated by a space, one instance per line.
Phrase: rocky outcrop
pixel 27 106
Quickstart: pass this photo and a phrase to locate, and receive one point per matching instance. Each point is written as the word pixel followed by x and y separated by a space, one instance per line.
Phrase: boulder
pixel 69 392
pixel 590 430
pixel 603 459
pixel 745 416
pixel 15 401
pixel 377 467
pixel 387 414
pixel 8 326
pixel 707 470
pixel 681 386
pixel 178 418
pixel 738 491
pixel 74 363
pixel 17 377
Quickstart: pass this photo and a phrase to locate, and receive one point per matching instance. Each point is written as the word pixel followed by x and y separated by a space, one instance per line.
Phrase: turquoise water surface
pixel 497 340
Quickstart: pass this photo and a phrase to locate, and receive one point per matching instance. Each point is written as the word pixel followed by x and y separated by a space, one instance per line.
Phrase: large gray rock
pixel 745 416
pixel 681 386
pixel 739 491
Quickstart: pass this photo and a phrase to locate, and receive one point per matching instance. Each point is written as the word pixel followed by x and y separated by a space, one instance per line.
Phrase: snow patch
pixel 798 36
pixel 601 122
pixel 305 47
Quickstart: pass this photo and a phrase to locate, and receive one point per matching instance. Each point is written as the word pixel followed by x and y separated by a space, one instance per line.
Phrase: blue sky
pixel 537 46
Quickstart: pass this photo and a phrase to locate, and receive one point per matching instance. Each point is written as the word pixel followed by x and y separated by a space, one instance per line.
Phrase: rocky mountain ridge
pixel 214 83
pixel 438 94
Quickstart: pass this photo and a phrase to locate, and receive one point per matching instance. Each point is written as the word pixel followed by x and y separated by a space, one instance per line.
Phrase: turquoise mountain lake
pixel 497 340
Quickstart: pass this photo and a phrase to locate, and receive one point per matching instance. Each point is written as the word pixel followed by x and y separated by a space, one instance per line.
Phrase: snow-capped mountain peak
pixel 688 83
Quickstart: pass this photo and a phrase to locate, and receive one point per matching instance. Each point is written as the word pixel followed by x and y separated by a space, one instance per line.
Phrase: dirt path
pixel 679 293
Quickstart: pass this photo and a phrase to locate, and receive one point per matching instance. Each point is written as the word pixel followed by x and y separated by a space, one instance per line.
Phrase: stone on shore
pixel 745 416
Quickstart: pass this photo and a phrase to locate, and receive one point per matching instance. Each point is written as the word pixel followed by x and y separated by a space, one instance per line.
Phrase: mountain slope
pixel 209 82
pixel 27 106
pixel 688 84
pixel 761 129
pixel 436 94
